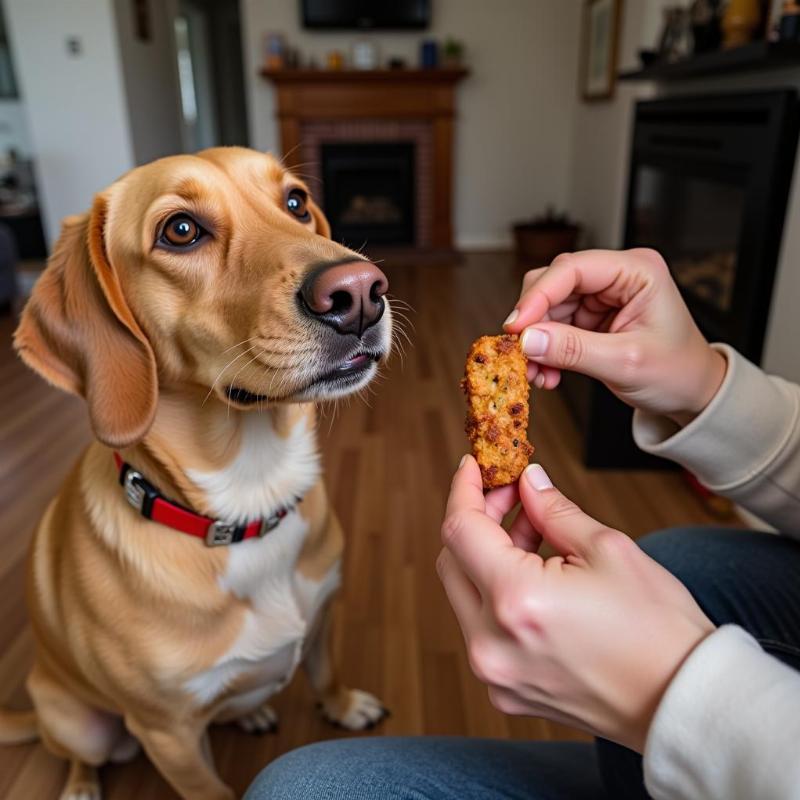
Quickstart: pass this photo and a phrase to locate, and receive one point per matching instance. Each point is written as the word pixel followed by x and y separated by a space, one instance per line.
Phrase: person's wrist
pixel 709 377
pixel 673 656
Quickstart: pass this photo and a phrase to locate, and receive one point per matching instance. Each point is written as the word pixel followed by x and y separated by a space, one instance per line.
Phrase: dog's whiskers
pixel 238 344
pixel 233 382
pixel 222 371
pixel 301 164
pixel 397 302
pixel 282 159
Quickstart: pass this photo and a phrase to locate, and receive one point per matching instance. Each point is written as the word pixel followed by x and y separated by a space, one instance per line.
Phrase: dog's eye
pixel 181 231
pixel 296 205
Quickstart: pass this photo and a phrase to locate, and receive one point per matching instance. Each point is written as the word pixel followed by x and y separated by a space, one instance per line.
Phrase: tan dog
pixel 200 310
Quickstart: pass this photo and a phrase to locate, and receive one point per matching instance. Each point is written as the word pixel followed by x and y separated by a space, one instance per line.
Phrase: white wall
pixel 151 84
pixel 14 131
pixel 515 111
pixel 602 140
pixel 75 104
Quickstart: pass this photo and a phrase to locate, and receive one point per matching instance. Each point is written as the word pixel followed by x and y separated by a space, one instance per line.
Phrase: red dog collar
pixel 151 504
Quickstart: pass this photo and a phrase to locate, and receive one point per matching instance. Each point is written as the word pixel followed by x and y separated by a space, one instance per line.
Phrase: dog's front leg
pixel 182 755
pixel 348 708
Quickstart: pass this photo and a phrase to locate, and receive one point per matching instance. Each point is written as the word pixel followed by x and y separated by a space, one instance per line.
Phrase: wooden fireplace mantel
pixel 305 96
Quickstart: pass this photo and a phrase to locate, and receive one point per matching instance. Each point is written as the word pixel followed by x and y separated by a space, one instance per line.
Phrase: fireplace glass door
pixel 368 191
pixel 695 223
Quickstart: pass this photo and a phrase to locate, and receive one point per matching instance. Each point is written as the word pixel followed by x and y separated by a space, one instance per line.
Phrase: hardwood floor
pixel 388 463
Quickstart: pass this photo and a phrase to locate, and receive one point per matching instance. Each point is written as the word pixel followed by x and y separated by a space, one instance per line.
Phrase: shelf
pixel 282 76
pixel 749 58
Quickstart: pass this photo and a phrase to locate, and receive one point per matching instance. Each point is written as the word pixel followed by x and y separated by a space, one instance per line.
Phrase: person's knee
pixel 355 769
pixel 680 550
pixel 697 557
pixel 293 776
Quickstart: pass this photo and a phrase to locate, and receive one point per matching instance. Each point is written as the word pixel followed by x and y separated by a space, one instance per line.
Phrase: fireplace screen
pixel 695 224
pixel 368 191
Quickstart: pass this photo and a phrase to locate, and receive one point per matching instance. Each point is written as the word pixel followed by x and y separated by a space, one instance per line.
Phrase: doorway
pixel 208 46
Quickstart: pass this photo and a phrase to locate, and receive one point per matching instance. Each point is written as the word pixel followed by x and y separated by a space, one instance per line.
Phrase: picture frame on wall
pixel 602 22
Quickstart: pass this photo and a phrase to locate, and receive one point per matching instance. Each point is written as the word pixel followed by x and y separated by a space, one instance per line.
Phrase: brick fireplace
pixel 362 136
pixel 361 114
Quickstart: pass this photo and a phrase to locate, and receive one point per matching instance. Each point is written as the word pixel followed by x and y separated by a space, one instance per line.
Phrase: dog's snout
pixel 349 297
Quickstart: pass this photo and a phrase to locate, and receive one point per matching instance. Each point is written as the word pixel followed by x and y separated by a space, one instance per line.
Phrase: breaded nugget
pixel 496 387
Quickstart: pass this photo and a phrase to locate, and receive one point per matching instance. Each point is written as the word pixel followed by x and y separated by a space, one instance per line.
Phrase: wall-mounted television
pixel 366 14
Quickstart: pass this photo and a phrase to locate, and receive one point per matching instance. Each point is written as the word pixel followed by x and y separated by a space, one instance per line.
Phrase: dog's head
pixel 214 270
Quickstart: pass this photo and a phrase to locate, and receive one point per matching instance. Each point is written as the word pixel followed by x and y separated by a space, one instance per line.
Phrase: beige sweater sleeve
pixel 745 445
pixel 728 726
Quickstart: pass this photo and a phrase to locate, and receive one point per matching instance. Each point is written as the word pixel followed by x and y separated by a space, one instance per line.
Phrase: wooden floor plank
pixel 389 464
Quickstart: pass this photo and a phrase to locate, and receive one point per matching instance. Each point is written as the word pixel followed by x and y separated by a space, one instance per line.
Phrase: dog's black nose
pixel 348 297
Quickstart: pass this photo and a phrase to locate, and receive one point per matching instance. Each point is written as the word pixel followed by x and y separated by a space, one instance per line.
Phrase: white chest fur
pixel 269 471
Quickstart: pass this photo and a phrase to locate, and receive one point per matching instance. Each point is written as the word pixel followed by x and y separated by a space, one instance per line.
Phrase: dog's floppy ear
pixel 78 332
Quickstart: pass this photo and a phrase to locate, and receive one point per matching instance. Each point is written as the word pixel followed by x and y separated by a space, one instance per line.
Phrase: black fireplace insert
pixel 368 192
pixel 708 188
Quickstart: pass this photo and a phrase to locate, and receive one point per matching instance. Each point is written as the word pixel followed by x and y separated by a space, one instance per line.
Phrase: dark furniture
pixel 761 55
pixel 26 227
pixel 708 188
pixel 8 263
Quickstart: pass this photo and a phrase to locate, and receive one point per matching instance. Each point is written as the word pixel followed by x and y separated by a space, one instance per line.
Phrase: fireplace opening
pixel 368 192
pixel 709 185
pixel 694 222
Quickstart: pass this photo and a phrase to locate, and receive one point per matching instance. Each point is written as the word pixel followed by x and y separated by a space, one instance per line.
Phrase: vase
pixel 537 246
pixel 740 23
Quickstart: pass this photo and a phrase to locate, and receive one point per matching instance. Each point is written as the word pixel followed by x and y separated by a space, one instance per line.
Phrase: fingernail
pixel 537 477
pixel 534 342
pixel 463 461
pixel 512 317
pixel 538 381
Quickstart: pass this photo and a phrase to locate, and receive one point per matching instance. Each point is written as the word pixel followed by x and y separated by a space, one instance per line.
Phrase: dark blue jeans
pixel 746 578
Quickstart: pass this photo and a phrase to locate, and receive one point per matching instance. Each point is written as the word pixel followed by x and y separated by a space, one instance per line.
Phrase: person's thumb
pixel 559 521
pixel 556 344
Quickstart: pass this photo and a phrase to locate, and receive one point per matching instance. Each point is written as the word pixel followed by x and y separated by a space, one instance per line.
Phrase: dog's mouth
pixel 242 397
pixel 347 376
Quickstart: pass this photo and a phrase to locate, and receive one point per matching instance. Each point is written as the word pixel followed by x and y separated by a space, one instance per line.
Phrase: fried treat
pixel 496 386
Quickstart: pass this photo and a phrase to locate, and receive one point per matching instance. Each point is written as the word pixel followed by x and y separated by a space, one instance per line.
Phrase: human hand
pixel 618 317
pixel 591 637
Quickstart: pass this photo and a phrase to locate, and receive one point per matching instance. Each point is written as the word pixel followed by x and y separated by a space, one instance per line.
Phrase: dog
pixel 187 565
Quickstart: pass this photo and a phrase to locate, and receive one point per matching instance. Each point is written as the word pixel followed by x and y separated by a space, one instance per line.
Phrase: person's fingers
pixel 523 534
pixel 466 490
pixel 616 274
pixel 559 521
pixel 500 501
pixel 546 377
pixel 599 355
pixel 591 316
pixel 565 312
pixel 531 277
pixel 481 547
pixel 463 596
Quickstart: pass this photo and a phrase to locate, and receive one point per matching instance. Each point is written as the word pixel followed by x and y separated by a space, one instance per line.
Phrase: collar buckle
pixel 220 533
pixel 135 491
pixel 270 523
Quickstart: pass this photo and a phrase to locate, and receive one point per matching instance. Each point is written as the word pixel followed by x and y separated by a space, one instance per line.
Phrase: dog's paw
pixel 354 710
pixel 83 790
pixel 262 720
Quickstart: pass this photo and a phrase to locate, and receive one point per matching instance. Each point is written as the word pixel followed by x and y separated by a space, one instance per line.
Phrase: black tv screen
pixel 365 14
